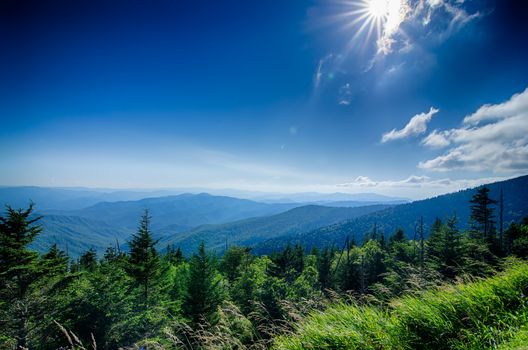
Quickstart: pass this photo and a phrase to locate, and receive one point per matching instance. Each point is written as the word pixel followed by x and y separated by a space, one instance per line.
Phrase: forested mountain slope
pixel 254 230
pixel 99 225
pixel 407 216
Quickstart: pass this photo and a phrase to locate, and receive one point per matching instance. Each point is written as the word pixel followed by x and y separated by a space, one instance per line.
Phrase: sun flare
pixel 378 8
pixel 379 17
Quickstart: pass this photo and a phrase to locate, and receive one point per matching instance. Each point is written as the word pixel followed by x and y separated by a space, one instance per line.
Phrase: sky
pixel 409 98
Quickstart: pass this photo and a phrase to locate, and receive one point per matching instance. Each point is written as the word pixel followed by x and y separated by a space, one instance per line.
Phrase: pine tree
pixel 18 267
pixel 144 262
pixel 232 261
pixel 88 260
pixel 174 256
pixel 398 247
pixel 205 289
pixel 55 261
pixel 324 268
pixel 398 236
pixel 444 249
pixel 482 216
pixel 248 287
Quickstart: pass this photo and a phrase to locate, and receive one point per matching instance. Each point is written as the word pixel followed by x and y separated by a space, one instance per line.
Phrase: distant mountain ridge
pixel 251 231
pixel 406 216
pixel 99 225
pixel 73 198
pixel 47 198
pixel 187 219
pixel 81 218
pixel 186 209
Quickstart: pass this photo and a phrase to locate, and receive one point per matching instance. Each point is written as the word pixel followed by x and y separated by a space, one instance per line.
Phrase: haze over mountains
pixel 255 230
pixel 69 198
pixel 407 216
pixel 79 219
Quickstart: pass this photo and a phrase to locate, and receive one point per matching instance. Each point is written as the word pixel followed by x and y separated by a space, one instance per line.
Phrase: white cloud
pixel 517 103
pixel 416 126
pixel 415 181
pixel 437 139
pixel 397 13
pixel 494 138
pixel 442 17
pixel 361 181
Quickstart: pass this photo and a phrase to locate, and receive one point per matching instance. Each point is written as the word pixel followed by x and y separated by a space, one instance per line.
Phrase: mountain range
pixel 79 219
pixel 255 230
pixel 407 216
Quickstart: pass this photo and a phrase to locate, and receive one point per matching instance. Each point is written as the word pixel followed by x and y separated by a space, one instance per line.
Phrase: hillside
pixel 48 198
pixel 75 198
pixel 99 225
pixel 251 231
pixel 406 216
pixel 478 315
pixel 186 209
pixel 75 234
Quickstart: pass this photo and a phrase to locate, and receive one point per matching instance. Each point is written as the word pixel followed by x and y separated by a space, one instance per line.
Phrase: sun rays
pixel 373 20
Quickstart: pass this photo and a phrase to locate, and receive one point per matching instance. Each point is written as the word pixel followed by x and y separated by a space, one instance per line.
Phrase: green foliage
pixel 324 268
pixel 482 217
pixel 88 260
pixel 55 261
pixel 18 271
pixel 144 262
pixel 517 236
pixel 234 260
pixel 375 296
pixel 306 286
pixel 452 317
pixel 444 248
pixel 205 290
pixel 247 288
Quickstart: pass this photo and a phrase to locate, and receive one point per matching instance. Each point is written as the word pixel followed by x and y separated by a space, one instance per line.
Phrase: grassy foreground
pixel 486 314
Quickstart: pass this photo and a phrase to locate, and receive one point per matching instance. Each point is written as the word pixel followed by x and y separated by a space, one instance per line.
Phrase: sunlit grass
pixel 484 314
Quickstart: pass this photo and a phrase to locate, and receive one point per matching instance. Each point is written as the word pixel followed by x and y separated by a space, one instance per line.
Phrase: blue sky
pixel 282 96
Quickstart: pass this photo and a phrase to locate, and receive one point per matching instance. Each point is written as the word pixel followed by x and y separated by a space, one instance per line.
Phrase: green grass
pixel 485 314
pixel 519 341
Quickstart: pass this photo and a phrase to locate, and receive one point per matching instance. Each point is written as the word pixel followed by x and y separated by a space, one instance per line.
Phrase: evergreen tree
pixel 144 261
pixel 18 269
pixel 482 218
pixel 248 287
pixel 306 286
pixel 398 247
pixel 234 258
pixel 289 263
pixel 88 260
pixel 324 268
pixel 517 237
pixel 444 250
pixel 174 256
pixel 205 289
pixel 373 261
pixel 348 269
pixel 55 261
pixel 397 237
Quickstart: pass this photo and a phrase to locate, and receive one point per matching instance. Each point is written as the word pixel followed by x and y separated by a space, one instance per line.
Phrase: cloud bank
pixel 494 138
pixel 438 19
pixel 415 181
pixel 416 126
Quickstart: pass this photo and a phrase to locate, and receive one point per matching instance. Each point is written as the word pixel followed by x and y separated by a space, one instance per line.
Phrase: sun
pixel 378 8
pixel 381 18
